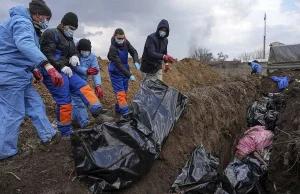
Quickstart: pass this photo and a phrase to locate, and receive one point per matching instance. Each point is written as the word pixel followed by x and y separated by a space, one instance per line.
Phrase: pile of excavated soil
pixel 285 178
pixel 269 86
pixel 215 115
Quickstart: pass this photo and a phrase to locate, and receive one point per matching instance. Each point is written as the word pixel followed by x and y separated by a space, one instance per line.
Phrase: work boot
pixel 102 118
pixel 75 124
pixel 104 111
pixel 126 117
pixel 88 125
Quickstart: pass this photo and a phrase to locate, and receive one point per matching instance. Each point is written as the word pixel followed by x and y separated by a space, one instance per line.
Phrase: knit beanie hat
pixel 39 7
pixel 70 19
pixel 84 45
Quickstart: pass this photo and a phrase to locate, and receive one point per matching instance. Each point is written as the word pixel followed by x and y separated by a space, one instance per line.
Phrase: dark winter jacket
pixel 113 55
pixel 57 47
pixel 154 50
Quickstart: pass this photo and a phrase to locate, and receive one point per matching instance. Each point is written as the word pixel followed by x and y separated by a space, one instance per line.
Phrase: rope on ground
pixel 13 175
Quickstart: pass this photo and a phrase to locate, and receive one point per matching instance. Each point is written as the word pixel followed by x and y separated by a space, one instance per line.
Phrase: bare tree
pixel 222 57
pixel 257 54
pixel 245 56
pixel 201 53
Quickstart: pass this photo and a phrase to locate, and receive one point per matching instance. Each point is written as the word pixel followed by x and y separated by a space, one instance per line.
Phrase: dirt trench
pixel 215 116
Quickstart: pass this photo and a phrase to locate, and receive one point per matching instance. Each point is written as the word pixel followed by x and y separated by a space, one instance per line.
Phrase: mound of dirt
pixel 214 117
pixel 269 86
pixel 284 171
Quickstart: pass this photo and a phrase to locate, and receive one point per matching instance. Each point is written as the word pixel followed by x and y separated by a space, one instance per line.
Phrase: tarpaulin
pixel 255 139
pixel 243 176
pixel 284 53
pixel 283 82
pixel 113 156
pixel 201 174
pixel 264 112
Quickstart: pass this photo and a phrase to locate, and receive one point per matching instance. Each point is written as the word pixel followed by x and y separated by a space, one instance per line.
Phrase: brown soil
pixel 215 116
pixel 286 178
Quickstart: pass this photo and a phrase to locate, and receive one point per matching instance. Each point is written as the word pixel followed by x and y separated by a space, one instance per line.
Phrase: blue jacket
pixel 19 43
pixel 115 59
pixel 255 67
pixel 85 63
pixel 154 50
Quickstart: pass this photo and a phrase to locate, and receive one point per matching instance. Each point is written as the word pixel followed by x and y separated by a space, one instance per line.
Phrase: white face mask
pixel 162 33
pixel 69 33
pixel 119 41
pixel 85 53
pixel 44 25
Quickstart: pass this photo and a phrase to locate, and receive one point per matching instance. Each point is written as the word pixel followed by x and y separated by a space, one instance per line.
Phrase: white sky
pixel 230 26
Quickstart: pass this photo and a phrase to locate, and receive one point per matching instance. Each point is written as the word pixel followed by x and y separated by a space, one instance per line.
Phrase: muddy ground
pixel 215 116
pixel 284 171
pixel 50 169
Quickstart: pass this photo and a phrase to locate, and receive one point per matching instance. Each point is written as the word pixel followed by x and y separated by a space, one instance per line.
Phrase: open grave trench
pixel 215 116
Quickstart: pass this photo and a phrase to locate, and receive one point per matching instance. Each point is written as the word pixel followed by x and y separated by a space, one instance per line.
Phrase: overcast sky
pixel 230 26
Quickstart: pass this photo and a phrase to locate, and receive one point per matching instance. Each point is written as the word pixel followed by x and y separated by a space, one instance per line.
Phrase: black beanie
pixel 70 19
pixel 84 45
pixel 39 7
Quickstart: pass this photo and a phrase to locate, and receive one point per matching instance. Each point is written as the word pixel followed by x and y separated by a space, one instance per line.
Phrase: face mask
pixel 119 41
pixel 44 25
pixel 85 53
pixel 69 33
pixel 162 33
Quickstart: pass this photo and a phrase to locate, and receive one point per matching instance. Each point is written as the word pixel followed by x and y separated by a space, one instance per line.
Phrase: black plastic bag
pixel 264 112
pixel 113 156
pixel 243 176
pixel 201 174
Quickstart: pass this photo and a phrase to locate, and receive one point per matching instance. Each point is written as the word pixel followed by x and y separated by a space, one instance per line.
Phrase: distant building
pixel 277 44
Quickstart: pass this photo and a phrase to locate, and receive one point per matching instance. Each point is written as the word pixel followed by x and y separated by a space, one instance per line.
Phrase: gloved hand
pixel 167 68
pixel 98 91
pixel 37 75
pixel 56 78
pixel 132 78
pixel 168 59
pixel 74 61
pixel 67 70
pixel 137 65
pixel 92 71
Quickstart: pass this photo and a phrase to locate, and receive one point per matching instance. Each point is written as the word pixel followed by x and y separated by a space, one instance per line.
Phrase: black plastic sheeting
pixel 114 156
pixel 201 174
pixel 265 111
pixel 243 176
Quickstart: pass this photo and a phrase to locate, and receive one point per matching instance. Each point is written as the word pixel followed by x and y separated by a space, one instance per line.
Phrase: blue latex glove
pixel 137 65
pixel 132 78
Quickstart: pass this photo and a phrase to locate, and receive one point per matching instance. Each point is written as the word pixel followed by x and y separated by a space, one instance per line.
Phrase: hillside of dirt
pixel 49 169
pixel 284 171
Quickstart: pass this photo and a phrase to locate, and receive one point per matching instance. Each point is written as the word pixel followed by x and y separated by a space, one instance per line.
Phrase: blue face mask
pixel 119 41
pixel 69 33
pixel 85 53
pixel 44 25
pixel 162 33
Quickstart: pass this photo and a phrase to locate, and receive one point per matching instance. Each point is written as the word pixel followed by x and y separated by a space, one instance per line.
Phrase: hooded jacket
pixel 85 63
pixel 113 55
pixel 19 43
pixel 154 50
pixel 255 67
pixel 57 47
